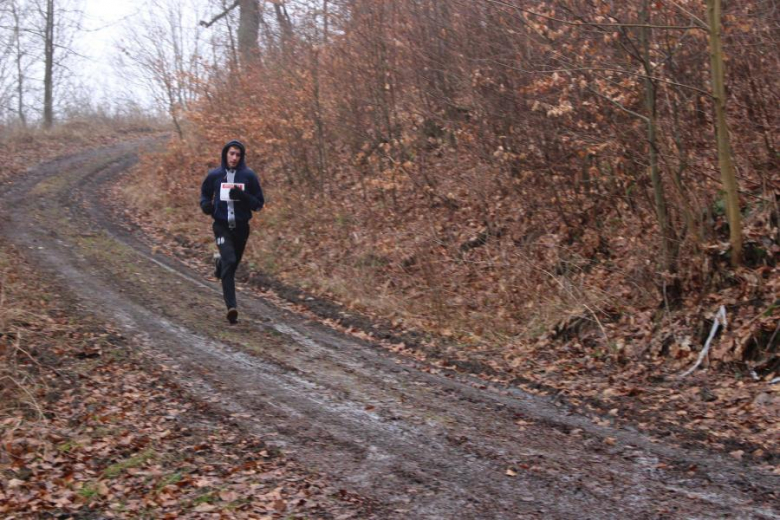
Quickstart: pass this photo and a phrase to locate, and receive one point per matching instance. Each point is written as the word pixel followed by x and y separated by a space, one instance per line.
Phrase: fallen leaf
pixel 15 483
pixel 228 496
pixel 737 454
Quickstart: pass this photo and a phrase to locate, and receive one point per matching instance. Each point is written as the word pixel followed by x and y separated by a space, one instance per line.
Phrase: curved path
pixel 419 442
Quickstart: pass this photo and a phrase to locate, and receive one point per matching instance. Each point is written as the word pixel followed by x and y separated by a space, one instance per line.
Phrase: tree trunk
pixel 19 68
pixel 325 21
pixel 318 119
pixel 232 40
pixel 687 199
pixel 48 75
pixel 248 26
pixel 662 213
pixel 285 24
pixel 722 133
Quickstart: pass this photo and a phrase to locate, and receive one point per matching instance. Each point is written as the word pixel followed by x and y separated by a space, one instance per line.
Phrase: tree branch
pixel 703 25
pixel 219 16
pixel 619 105
pixel 720 321
pixel 596 24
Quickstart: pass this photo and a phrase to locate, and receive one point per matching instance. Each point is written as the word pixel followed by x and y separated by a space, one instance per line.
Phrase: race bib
pixel 225 187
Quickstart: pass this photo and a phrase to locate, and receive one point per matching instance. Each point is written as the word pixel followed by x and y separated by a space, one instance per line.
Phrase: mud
pixel 418 441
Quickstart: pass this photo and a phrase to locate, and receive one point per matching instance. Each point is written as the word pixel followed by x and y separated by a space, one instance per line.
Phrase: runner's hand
pixel 237 194
pixel 208 208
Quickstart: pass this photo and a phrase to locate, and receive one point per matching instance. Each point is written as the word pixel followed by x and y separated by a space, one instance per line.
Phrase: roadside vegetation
pixel 549 197
pixel 578 201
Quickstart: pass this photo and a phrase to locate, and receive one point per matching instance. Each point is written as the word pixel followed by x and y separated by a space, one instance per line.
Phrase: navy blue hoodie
pixel 209 190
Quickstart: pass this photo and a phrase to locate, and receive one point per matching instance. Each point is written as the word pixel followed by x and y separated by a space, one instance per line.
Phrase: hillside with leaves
pixel 538 183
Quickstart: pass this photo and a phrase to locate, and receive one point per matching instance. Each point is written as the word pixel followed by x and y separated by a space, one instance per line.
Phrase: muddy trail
pixel 416 441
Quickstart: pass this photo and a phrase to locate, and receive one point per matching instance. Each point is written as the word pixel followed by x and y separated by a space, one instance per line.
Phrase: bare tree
pixel 650 94
pixel 717 70
pixel 48 75
pixel 56 25
pixel 19 60
pixel 39 36
pixel 162 50
pixel 6 51
pixel 18 53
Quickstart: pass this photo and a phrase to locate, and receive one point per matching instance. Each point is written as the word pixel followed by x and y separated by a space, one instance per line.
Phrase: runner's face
pixel 233 157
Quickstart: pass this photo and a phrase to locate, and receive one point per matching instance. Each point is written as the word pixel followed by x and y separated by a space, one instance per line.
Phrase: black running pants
pixel 231 244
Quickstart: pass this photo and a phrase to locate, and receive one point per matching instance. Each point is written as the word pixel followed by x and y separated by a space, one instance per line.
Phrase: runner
pixel 230 194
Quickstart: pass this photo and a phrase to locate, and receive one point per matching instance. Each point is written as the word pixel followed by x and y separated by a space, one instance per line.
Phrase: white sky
pixel 103 22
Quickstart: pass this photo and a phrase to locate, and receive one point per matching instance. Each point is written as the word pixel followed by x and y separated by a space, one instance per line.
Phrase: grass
pixel 209 496
pixel 48 186
pixel 89 492
pixel 169 480
pixel 117 469
pixel 68 446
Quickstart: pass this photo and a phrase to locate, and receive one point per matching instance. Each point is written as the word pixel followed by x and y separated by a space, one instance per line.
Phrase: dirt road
pixel 419 442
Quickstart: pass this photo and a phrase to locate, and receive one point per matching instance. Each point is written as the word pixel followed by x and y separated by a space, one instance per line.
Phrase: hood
pixel 240 146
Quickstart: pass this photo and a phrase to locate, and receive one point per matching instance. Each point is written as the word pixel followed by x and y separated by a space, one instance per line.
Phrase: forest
pixel 575 199
pixel 504 172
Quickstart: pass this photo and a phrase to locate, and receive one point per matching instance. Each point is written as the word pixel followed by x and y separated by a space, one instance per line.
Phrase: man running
pixel 230 194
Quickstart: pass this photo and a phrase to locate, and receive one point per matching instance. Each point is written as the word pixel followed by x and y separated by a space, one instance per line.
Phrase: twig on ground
pixel 585 305
pixel 720 319
pixel 774 335
pixel 19 348
pixel 33 400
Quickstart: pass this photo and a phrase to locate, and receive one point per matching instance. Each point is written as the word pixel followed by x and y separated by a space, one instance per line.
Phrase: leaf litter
pixel 90 425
